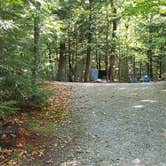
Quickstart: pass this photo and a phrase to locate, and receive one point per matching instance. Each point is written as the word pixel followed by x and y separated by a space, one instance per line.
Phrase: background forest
pixel 64 39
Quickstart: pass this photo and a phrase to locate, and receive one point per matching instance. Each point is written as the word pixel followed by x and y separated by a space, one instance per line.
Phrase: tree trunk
pixel 160 64
pixel 134 69
pixel 96 51
pixel 37 42
pixel 75 55
pixel 50 61
pixel 140 70
pixel 107 46
pixel 119 64
pixel 62 62
pixel 70 76
pixel 150 52
pixel 88 54
pixel 150 63
pixel 113 47
pixel 124 67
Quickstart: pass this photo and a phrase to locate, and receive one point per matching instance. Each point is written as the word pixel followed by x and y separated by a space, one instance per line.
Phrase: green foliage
pixel 18 89
pixel 142 7
pixel 8 107
pixel 21 92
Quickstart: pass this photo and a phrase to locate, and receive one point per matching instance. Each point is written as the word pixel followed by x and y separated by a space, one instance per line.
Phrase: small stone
pixel 55 144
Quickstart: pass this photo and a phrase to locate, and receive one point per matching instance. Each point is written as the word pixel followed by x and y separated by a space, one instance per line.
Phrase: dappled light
pixel 149 101
pixel 136 162
pixel 138 106
pixel 70 163
pixel 122 88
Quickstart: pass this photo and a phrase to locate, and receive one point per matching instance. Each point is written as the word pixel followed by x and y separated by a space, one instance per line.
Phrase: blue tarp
pixel 94 74
pixel 146 78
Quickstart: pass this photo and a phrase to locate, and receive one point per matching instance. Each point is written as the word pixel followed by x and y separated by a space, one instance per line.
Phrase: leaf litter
pixel 24 134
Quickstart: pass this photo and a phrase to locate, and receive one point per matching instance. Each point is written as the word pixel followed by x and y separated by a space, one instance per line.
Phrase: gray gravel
pixel 117 125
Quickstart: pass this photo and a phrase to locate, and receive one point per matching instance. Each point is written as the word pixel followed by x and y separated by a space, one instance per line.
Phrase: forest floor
pixel 99 124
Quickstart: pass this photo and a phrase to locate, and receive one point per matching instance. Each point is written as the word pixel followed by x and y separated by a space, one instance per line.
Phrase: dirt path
pixel 111 125
pixel 117 124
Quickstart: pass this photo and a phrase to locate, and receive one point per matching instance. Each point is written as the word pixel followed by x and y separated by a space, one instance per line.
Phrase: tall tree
pixel 89 40
pixel 113 46
pixel 37 40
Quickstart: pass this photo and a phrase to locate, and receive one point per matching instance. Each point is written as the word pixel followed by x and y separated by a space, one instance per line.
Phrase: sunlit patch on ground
pixel 149 101
pixel 136 162
pixel 71 163
pixel 123 88
pixel 138 106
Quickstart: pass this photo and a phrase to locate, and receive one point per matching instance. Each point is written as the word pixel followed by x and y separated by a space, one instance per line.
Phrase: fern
pixel 8 107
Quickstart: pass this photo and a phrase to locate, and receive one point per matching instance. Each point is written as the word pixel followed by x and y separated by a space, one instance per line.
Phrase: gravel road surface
pixel 117 125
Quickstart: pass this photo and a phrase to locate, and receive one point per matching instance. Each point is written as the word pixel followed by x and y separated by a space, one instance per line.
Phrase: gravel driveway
pixel 118 125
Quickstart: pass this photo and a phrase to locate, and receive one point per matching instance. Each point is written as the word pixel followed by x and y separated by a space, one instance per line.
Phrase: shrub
pixel 7 108
pixel 20 90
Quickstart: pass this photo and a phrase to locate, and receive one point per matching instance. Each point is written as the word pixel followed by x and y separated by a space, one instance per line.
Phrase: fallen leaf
pixel 8 152
pixel 49 161
pixel 11 163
